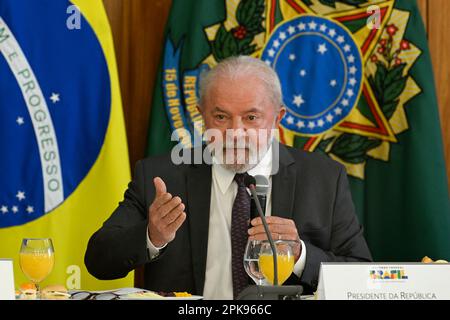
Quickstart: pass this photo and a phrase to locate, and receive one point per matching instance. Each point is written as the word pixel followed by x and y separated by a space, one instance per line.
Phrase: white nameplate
pixel 384 281
pixel 6 280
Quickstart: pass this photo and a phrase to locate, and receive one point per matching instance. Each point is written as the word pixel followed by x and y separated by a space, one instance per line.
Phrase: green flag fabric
pixel 358 86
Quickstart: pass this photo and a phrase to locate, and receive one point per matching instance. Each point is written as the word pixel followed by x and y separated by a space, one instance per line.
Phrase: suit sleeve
pixel 119 246
pixel 347 242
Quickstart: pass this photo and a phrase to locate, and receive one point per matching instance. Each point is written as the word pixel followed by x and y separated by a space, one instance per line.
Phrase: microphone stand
pixel 269 235
pixel 274 292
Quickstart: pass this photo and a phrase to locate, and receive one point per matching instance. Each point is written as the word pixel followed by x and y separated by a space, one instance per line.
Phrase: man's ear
pixel 200 110
pixel 280 115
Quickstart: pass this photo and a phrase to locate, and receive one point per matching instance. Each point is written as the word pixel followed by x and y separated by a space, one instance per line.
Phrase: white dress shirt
pixel 218 276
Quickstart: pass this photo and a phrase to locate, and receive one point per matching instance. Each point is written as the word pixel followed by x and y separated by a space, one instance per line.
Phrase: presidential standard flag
pixel 358 86
pixel 64 158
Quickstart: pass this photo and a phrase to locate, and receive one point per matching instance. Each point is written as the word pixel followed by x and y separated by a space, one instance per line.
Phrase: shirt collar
pixel 264 167
pixel 225 177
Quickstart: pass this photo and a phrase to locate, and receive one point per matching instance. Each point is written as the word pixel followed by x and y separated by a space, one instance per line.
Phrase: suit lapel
pixel 283 184
pixel 199 198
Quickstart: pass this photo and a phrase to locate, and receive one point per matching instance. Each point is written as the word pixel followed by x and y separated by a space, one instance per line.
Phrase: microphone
pixel 250 183
pixel 262 188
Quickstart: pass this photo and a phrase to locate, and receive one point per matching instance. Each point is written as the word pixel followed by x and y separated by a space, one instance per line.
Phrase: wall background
pixel 138 28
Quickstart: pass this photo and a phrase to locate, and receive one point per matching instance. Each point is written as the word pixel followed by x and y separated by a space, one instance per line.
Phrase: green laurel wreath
pixel 237 41
pixel 388 84
pixel 351 148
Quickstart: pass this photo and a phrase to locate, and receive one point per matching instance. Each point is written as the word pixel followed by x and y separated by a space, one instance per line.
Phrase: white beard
pixel 243 159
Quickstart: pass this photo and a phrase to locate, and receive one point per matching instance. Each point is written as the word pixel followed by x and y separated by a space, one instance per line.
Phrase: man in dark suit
pixel 187 223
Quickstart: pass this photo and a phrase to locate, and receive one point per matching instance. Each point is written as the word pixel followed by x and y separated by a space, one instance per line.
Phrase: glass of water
pixel 251 262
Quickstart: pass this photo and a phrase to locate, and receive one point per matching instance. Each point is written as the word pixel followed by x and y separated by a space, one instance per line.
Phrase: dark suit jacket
pixel 309 188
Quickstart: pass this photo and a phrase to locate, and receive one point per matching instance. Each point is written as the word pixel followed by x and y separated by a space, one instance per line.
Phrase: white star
pixel 322 48
pixel 351 58
pixel 300 124
pixel 301 26
pixel 323 28
pixel 347 48
pixel 350 93
pixel 290 120
pixel 267 61
pixel 353 70
pixel 15 209
pixel 276 43
pixel 30 209
pixel 298 100
pixel 282 35
pixel 329 118
pixel 292 57
pixel 20 121
pixel 311 125
pixel 332 33
pixel 333 83
pixel 352 81
pixel 312 25
pixel 338 111
pixel 4 209
pixel 340 39
pixel 271 53
pixel 345 102
pixel 20 195
pixel 320 123
pixel 55 97
pixel 302 73
pixel 291 30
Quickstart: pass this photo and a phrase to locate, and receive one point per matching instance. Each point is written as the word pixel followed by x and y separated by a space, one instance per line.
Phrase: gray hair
pixel 236 66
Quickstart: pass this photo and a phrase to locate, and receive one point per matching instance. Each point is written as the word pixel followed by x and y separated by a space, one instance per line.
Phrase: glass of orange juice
pixel 37 259
pixel 285 261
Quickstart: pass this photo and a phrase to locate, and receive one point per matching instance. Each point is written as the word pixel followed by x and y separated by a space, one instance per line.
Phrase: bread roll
pixel 55 292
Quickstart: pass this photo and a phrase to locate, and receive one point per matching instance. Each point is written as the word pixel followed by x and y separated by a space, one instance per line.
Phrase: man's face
pixel 241 110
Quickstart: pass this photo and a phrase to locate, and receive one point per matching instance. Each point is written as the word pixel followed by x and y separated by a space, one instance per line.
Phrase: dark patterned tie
pixel 239 236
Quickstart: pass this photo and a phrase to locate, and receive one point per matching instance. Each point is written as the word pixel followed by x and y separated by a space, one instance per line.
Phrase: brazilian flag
pixel 357 85
pixel 64 159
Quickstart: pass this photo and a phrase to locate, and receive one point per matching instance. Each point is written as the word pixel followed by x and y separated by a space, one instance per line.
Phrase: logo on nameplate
pixel 388 273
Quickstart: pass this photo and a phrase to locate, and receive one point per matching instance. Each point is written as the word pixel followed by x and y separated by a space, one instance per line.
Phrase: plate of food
pixel 151 295
pixel 28 291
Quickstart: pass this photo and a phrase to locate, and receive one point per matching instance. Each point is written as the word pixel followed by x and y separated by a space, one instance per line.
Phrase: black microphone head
pixel 249 180
pixel 262 185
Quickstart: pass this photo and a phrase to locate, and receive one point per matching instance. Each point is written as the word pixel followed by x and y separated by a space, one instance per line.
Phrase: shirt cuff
pixel 153 251
pixel 301 262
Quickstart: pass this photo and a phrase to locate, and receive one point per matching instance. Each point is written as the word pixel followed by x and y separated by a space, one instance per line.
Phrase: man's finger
pixel 263 236
pixel 160 186
pixel 174 226
pixel 275 236
pixel 161 200
pixel 273 228
pixel 169 206
pixel 271 219
pixel 173 215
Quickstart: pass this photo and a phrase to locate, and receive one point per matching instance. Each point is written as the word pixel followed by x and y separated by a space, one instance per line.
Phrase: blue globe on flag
pixel 52 132
pixel 320 69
